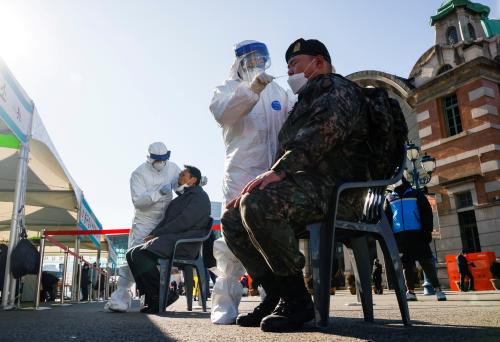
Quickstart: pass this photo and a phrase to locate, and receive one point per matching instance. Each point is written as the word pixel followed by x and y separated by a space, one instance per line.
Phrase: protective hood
pixel 233 72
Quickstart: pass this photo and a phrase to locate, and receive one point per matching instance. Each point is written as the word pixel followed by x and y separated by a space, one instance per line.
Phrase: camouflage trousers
pixel 262 232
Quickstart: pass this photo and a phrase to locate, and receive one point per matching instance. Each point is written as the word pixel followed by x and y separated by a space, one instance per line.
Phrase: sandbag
pixel 25 259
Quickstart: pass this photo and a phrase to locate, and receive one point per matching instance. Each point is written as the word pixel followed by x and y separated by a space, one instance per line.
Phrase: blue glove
pixel 166 189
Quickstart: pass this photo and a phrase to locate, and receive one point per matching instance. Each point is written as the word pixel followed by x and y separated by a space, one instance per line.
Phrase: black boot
pixel 272 287
pixel 294 308
pixel 152 305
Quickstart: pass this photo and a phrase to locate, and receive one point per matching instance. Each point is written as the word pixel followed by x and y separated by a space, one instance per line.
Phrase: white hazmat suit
pixel 150 202
pixel 250 125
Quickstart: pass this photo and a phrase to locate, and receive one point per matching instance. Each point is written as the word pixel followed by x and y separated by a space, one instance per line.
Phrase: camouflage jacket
pixel 325 139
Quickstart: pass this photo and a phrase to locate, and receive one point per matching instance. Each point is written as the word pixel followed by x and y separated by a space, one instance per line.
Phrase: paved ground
pixel 464 317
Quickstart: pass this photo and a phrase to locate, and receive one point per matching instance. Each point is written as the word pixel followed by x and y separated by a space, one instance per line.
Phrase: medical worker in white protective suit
pixel 151 187
pixel 251 109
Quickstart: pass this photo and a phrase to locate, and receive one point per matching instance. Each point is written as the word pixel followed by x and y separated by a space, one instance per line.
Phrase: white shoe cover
pixel 226 294
pixel 120 301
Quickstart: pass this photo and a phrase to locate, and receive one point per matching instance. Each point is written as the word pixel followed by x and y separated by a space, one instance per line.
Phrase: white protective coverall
pixel 250 126
pixel 150 206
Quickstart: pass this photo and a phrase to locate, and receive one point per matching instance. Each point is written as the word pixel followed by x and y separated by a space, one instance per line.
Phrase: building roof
pixel 449 6
pixel 491 27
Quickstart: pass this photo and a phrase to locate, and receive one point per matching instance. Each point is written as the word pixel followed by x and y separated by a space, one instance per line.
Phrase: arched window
pixel 444 68
pixel 472 32
pixel 452 35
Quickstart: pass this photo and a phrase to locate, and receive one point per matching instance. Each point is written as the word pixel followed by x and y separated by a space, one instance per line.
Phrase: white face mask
pixel 159 165
pixel 180 189
pixel 298 81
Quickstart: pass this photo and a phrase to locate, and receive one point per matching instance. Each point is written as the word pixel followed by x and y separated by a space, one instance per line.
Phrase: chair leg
pixel 189 284
pixel 202 282
pixel 165 270
pixel 362 271
pixel 391 253
pixel 321 249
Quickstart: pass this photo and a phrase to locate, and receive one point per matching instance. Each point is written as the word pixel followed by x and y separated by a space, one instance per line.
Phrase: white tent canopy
pixel 53 199
pixel 52 196
pixel 36 189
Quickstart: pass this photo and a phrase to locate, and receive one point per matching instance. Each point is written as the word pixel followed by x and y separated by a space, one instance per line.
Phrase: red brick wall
pixel 436 110
pixel 470 166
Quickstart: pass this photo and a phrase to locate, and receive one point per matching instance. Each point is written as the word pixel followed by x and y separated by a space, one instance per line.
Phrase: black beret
pixel 311 47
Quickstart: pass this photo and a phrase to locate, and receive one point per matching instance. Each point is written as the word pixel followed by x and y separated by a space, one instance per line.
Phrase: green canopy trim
pixel 9 141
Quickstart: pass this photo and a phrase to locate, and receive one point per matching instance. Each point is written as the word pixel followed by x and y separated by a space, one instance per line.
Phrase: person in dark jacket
pixel 187 216
pixel 463 269
pixel 410 216
pixel 84 283
pixel 377 276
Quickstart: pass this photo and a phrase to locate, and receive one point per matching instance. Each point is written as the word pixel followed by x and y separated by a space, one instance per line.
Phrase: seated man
pixel 325 140
pixel 186 217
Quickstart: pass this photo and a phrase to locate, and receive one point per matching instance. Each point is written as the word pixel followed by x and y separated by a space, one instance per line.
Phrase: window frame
pixel 468 204
pixel 469 233
pixel 458 115
pixel 449 31
pixel 471 31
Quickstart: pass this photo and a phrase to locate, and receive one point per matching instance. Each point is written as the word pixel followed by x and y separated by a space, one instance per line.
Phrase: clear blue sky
pixel 110 77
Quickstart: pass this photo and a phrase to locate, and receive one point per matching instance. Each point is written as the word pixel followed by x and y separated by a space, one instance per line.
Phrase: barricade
pixel 480 271
pixel 46 236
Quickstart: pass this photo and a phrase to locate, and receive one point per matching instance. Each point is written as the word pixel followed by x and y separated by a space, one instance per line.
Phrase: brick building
pixel 451 101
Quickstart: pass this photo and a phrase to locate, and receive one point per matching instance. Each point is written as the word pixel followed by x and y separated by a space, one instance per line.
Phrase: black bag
pixel 388 132
pixel 25 258
pixel 208 251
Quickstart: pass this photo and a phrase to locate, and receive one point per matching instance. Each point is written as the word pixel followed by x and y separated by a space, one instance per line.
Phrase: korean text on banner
pixel 113 257
pixel 16 108
pixel 88 221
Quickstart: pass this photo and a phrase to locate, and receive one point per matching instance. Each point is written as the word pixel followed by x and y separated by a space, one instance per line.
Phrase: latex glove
pixel 260 82
pixel 166 189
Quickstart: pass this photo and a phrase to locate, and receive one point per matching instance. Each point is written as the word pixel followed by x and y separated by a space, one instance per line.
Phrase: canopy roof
pixel 52 196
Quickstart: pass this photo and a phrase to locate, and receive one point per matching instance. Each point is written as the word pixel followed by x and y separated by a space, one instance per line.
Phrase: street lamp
pixel 427 162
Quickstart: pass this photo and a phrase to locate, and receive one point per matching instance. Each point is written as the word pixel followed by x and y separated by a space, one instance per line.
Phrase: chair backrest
pixel 200 239
pixel 376 194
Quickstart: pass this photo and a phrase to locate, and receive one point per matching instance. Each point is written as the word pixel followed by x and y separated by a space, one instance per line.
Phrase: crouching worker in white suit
pixel 151 187
pixel 251 108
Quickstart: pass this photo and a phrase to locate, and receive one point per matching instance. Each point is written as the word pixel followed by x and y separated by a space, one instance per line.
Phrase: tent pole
pixel 74 280
pixel 9 285
pixel 40 270
pixel 63 287
pixel 90 286
pixel 80 261
pixel 98 270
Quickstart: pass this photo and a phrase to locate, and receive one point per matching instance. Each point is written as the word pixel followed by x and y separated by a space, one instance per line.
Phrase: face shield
pixel 253 58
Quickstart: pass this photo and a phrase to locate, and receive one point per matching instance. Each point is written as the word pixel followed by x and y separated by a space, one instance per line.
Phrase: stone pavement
pixel 464 317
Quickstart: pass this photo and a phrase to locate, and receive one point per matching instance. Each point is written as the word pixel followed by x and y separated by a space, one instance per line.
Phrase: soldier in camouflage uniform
pixel 325 140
